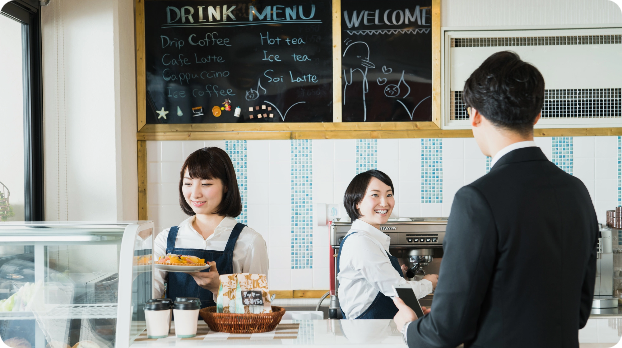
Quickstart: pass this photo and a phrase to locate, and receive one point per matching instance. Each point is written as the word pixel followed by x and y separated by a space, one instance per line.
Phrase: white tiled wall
pixel 334 165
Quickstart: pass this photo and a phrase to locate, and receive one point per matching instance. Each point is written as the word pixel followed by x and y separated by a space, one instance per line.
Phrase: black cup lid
pixel 160 300
pixel 186 306
pixel 187 299
pixel 157 306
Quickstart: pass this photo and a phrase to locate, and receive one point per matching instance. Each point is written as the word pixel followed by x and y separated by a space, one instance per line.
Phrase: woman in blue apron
pixel 208 193
pixel 366 270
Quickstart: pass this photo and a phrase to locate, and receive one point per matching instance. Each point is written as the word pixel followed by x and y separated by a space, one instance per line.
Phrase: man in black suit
pixel 519 259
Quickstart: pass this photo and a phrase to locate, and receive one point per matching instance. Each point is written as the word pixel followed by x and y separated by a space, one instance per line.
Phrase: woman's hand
pixel 208 280
pixel 432 278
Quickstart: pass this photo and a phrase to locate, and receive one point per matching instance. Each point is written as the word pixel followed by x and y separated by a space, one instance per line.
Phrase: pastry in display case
pixel 74 284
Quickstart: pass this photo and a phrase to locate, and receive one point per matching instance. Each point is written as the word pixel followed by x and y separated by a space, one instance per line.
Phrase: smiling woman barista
pixel 208 192
pixel 366 269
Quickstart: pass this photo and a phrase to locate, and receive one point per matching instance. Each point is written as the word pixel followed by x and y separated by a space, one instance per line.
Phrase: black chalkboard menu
pixel 229 62
pixel 386 60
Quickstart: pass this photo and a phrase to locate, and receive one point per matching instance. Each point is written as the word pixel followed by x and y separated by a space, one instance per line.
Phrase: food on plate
pixel 57 344
pixel 86 344
pixel 142 260
pixel 16 342
pixel 180 260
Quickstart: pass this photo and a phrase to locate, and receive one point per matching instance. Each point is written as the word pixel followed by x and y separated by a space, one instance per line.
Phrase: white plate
pixel 183 269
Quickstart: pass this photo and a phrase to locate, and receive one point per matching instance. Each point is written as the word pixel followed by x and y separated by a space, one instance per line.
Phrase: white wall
pixel 89 110
pixel 89 91
pixel 595 162
pixel 12 115
pixel 513 13
pixel 90 125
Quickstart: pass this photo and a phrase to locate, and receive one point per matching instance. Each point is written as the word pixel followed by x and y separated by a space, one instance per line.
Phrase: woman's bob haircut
pixel 212 163
pixel 357 188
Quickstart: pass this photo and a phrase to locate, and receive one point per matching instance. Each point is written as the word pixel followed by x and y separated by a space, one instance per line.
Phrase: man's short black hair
pixel 506 91
pixel 212 163
pixel 357 188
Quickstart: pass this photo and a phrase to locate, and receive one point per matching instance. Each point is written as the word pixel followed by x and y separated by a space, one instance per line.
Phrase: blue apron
pixel 382 307
pixel 182 284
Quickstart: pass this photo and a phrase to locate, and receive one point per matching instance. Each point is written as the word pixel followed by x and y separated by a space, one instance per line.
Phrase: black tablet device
pixel 406 293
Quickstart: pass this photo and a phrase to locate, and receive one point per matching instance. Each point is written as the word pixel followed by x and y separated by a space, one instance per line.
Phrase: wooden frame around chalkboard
pixel 317 130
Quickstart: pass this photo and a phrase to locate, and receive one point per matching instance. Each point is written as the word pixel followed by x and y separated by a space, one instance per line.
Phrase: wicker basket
pixel 242 323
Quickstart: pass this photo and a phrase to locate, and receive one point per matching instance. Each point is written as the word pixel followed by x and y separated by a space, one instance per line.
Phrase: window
pixel 21 126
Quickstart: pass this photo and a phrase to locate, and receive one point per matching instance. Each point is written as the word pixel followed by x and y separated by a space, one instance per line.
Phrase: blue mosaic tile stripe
pixel 366 155
pixel 236 149
pixel 562 153
pixel 431 170
pixel 488 162
pixel 302 204
pixel 620 172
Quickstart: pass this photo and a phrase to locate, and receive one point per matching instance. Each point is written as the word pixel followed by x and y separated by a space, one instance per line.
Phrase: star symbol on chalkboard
pixel 162 113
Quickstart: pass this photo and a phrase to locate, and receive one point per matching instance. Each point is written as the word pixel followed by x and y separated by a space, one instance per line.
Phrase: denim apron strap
pixel 233 237
pixel 172 237
pixel 182 284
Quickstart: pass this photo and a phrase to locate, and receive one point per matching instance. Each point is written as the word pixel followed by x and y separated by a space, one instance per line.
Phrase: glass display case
pixel 62 283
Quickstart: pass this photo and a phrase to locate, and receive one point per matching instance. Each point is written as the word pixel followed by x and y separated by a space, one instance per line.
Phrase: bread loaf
pixel 17 342
pixel 86 344
pixel 57 344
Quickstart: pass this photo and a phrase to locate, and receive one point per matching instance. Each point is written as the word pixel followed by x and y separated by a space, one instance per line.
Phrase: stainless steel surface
pixel 416 242
pixel 605 302
pixel 604 264
pixel 606 312
pixel 317 308
pixel 426 232
pixel 334 311
pixel 418 258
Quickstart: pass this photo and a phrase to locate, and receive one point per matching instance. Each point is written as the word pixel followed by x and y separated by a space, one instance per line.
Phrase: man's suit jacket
pixel 519 260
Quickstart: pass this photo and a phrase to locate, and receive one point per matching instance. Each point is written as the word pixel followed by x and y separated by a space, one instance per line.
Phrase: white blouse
pixel 250 254
pixel 365 269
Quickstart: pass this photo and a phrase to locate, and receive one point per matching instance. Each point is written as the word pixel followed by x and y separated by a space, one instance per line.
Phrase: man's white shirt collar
pixel 511 147
pixel 362 226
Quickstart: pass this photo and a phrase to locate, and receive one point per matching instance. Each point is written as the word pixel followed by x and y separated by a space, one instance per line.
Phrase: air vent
pixel 458 108
pixel 564 104
pixel 537 41
pixel 582 103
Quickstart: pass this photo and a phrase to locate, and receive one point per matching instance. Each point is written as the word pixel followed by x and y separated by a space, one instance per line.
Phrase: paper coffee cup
pixel 158 318
pixel 186 314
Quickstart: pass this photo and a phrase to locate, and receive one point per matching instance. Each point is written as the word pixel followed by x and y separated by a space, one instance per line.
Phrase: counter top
pixel 598 333
pixel 325 333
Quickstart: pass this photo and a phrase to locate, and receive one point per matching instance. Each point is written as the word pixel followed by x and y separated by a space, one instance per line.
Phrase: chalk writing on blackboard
pixel 359 50
pixel 386 60
pixel 223 61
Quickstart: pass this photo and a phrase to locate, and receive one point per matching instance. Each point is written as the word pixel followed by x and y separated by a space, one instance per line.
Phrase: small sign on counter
pixel 251 297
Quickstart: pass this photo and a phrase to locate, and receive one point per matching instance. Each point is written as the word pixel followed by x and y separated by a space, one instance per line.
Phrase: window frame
pixel 28 13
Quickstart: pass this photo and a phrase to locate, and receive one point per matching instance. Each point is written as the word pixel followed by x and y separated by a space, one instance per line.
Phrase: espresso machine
pixel 416 242
pixel 604 300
